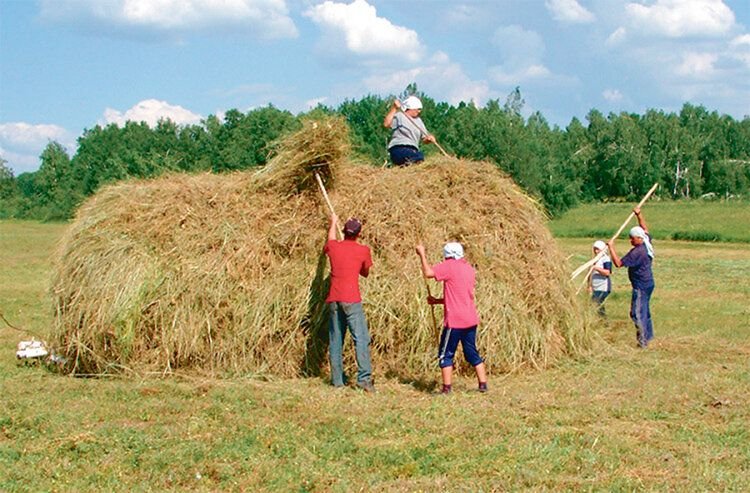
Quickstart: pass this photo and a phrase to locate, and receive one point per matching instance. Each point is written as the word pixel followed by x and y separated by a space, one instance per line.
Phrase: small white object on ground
pixel 31 349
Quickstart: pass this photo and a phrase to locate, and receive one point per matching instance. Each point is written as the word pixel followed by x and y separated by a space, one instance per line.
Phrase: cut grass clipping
pixel 225 273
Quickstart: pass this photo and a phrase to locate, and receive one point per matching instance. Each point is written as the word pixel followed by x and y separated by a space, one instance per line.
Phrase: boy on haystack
pixel 349 260
pixel 460 317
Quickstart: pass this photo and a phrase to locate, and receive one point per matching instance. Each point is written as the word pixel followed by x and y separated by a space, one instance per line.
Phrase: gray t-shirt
pixel 598 281
pixel 407 132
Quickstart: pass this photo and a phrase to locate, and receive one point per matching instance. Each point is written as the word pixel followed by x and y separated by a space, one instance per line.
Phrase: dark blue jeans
pixel 405 155
pixel 343 315
pixel 598 297
pixel 449 340
pixel 640 313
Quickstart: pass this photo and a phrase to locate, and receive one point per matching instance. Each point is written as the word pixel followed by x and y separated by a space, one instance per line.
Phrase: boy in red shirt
pixel 460 314
pixel 349 260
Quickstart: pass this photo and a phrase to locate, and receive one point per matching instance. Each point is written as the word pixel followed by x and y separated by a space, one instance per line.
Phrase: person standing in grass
pixel 460 317
pixel 408 131
pixel 601 283
pixel 349 259
pixel 638 261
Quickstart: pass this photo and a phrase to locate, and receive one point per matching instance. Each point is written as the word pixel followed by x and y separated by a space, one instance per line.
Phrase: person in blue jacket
pixel 638 261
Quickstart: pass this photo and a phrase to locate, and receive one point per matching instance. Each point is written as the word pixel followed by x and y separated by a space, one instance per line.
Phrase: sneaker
pixel 367 386
pixel 447 389
pixel 483 387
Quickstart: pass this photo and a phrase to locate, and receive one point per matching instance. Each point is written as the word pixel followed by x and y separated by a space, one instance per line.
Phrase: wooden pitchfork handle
pixel 328 201
pixel 590 264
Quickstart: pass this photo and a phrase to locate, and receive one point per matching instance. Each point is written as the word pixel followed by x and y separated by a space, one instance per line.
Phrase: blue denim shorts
pixel 449 340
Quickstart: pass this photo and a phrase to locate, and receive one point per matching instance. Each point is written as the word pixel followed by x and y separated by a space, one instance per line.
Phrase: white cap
pixel 411 103
pixel 453 250
pixel 600 245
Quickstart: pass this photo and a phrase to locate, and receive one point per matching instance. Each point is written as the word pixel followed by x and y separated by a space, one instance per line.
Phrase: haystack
pixel 226 274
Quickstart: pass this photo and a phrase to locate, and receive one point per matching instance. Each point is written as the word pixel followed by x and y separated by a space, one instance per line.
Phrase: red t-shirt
pixel 348 259
pixel 458 291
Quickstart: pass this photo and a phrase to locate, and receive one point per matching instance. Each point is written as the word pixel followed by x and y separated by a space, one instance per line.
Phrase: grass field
pixel 693 220
pixel 671 418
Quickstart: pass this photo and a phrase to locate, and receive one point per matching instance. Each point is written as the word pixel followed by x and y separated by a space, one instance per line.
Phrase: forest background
pixel 617 157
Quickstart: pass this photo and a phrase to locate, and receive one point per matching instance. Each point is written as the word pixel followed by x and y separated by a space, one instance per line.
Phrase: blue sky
pixel 67 65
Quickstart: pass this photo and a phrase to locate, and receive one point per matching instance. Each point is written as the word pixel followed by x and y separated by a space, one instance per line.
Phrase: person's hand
pixel 334 218
pixel 430 138
pixel 637 211
pixel 396 104
pixel 431 300
pixel 420 250
pixel 610 243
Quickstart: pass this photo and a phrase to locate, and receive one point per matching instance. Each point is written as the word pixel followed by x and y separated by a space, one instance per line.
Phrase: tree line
pixel 614 157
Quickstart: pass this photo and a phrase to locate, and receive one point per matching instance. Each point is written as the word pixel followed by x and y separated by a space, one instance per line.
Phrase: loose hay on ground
pixel 226 273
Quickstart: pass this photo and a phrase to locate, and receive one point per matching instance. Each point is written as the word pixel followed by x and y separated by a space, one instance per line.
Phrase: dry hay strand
pixel 320 147
pixel 225 274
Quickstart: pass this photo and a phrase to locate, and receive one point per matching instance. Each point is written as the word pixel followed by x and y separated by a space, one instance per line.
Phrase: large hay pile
pixel 226 273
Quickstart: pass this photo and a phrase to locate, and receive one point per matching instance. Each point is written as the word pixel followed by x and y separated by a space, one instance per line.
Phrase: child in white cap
pixel 601 282
pixel 408 131
pixel 460 314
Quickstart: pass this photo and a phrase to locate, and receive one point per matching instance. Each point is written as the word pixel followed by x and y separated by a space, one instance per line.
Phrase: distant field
pixel 697 220
pixel 671 418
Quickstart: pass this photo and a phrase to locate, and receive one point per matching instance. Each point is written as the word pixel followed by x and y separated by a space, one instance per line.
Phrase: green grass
pixel 696 220
pixel 671 418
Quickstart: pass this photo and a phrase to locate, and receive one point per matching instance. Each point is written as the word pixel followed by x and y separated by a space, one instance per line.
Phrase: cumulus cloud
pixel 22 143
pixel 681 18
pixel 151 111
pixel 739 48
pixel 520 52
pixel 442 78
pixel 612 95
pixel 699 65
pixel 617 36
pixel 357 27
pixel 569 11
pixel 262 18
pixel 313 103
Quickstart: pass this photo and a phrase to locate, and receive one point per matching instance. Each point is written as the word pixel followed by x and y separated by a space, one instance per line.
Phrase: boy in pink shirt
pixel 460 314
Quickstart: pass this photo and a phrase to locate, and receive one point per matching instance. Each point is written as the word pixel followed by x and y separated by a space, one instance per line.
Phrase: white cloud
pixel 514 78
pixel 617 37
pixel 699 65
pixel 313 103
pixel 739 48
pixel 263 18
pixel 363 32
pixel 28 136
pixel 569 11
pixel 21 143
pixel 521 52
pixel 612 95
pixel 440 77
pixel 151 111
pixel 517 46
pixel 681 18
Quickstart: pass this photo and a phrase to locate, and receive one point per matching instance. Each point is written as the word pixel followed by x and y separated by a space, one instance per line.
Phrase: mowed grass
pixel 693 220
pixel 673 417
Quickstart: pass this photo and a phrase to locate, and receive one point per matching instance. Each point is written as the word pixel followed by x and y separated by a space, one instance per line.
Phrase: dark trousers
pixel 640 313
pixel 405 155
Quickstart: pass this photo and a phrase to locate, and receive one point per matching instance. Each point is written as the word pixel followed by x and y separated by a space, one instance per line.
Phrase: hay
pixel 225 274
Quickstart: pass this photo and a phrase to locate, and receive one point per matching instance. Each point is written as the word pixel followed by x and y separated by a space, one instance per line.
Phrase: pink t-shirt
pixel 349 260
pixel 458 291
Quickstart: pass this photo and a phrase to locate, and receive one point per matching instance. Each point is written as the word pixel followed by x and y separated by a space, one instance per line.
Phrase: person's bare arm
pixel 388 120
pixel 641 219
pixel 613 254
pixel 332 227
pixel 426 269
